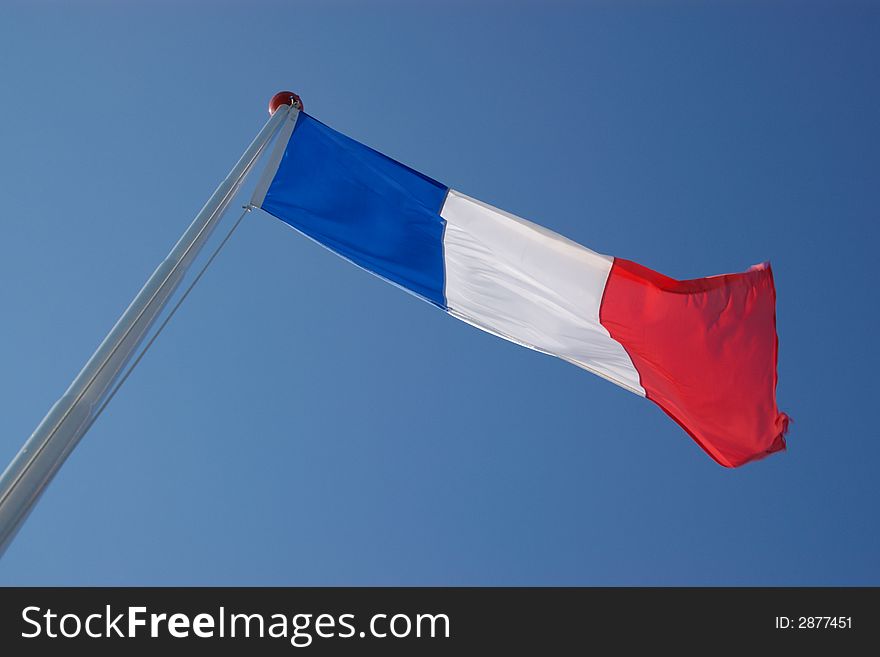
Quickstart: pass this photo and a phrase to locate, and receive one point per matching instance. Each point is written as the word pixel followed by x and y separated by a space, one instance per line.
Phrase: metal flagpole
pixel 24 480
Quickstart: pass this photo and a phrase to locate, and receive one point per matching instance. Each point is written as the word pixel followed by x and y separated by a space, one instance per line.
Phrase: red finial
pixel 285 98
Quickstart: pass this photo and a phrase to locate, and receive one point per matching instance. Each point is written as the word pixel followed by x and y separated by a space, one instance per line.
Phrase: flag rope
pixel 143 352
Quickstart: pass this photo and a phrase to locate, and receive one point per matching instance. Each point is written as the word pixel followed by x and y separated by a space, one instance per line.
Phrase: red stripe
pixel 705 350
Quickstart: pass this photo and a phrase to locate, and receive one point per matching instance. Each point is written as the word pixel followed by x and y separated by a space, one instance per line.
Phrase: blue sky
pixel 303 423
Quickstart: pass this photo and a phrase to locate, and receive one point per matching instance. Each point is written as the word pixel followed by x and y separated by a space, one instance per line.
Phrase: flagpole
pixel 27 476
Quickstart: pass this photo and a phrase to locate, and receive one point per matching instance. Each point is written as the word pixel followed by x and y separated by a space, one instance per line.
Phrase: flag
pixel 704 350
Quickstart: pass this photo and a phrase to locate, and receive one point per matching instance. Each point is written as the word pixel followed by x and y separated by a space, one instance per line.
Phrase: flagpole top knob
pixel 285 98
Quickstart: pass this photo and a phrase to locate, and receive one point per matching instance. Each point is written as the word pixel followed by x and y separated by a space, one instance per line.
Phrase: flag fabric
pixel 704 350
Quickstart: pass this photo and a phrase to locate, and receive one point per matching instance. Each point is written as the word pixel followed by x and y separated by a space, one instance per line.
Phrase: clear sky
pixel 300 422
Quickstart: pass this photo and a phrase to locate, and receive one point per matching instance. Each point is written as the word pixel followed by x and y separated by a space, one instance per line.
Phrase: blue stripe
pixel 363 205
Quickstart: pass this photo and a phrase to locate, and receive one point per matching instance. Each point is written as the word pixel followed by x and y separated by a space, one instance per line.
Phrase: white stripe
pixel 531 286
pixel 274 160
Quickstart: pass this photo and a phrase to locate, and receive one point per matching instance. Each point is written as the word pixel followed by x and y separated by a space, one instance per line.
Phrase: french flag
pixel 704 350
